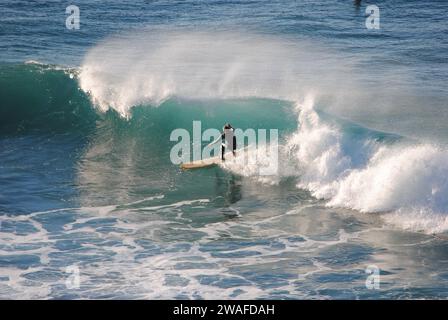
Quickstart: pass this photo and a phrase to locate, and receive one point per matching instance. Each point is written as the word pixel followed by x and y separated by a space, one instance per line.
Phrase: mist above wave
pixel 149 67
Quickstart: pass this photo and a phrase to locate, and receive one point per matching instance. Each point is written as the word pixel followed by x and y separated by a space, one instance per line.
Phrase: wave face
pixel 42 97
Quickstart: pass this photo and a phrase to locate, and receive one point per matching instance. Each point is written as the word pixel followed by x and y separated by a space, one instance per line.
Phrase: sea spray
pixel 147 68
pixel 401 177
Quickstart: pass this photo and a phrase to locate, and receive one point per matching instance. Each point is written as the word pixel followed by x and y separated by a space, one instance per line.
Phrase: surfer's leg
pixel 234 146
pixel 223 149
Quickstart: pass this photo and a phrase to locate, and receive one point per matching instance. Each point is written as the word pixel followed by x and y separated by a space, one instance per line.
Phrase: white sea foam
pixel 135 264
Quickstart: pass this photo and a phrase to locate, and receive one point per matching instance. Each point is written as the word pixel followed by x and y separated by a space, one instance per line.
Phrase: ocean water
pixel 86 181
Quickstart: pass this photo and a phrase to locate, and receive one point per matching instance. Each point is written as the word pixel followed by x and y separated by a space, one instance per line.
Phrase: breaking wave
pixel 343 163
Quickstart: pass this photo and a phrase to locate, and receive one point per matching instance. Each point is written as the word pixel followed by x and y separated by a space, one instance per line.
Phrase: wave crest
pixel 149 67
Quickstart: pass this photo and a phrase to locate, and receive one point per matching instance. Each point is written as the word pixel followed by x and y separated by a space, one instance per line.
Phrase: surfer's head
pixel 227 126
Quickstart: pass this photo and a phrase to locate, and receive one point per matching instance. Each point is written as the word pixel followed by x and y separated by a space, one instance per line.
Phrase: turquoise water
pixel 86 178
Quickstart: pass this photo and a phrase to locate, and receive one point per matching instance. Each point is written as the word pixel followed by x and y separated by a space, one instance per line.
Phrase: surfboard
pixel 201 163
pixel 209 162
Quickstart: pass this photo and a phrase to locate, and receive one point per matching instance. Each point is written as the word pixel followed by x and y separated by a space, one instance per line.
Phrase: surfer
pixel 228 140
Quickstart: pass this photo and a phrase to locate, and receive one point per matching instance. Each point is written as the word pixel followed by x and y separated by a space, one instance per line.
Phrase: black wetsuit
pixel 228 139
